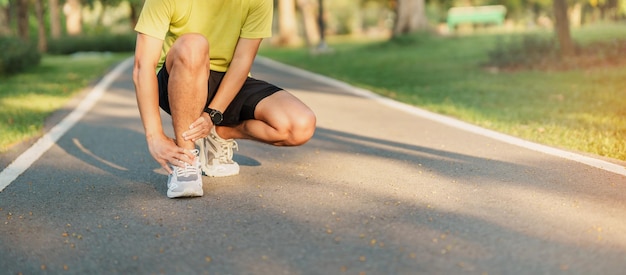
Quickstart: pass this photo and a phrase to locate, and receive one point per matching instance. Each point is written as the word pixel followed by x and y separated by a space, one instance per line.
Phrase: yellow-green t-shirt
pixel 222 22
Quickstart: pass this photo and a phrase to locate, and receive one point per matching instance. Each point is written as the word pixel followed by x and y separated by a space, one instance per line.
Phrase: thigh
pixel 282 108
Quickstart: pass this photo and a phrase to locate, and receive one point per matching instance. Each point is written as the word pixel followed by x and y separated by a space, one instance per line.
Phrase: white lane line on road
pixel 593 162
pixel 26 159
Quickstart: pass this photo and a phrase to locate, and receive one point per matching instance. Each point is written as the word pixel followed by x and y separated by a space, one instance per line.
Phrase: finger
pixel 196 133
pixel 182 157
pixel 179 163
pixel 197 123
pixel 187 135
pixel 189 156
pixel 165 166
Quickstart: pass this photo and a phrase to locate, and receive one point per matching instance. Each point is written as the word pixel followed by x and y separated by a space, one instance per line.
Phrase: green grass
pixel 581 110
pixel 28 98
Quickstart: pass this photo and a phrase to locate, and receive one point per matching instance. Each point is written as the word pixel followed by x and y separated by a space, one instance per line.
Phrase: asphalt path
pixel 380 189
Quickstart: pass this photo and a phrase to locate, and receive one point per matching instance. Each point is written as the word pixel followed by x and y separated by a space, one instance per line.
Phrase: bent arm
pixel 245 52
pixel 147 54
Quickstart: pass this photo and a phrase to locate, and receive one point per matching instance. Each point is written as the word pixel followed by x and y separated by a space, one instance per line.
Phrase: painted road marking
pixel 593 162
pixel 26 159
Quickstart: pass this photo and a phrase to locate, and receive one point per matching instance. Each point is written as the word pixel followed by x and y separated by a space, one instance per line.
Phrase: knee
pixel 302 129
pixel 190 50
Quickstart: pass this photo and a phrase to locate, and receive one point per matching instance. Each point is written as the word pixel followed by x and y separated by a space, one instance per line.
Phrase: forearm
pixel 230 86
pixel 146 88
pixel 237 73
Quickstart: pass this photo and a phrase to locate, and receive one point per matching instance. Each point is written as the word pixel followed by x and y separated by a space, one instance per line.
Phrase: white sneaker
pixel 216 155
pixel 185 181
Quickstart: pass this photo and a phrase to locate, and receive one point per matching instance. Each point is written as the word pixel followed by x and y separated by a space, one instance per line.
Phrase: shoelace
pixel 188 169
pixel 227 151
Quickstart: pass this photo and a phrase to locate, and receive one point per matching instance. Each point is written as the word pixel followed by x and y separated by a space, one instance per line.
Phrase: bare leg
pixel 281 119
pixel 188 66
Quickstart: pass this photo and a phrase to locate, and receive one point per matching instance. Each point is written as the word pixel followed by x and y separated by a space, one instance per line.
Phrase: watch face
pixel 216 116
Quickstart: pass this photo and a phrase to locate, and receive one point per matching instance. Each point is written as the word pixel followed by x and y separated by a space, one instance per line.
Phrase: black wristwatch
pixel 216 116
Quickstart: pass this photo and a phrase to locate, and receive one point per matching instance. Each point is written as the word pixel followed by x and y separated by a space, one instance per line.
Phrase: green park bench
pixel 477 14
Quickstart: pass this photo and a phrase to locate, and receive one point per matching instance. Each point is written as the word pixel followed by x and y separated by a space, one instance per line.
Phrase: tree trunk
pixel 135 9
pixel 73 15
pixel 4 20
pixel 287 23
pixel 22 20
pixel 101 15
pixel 410 16
pixel 55 18
pixel 42 42
pixel 311 28
pixel 561 26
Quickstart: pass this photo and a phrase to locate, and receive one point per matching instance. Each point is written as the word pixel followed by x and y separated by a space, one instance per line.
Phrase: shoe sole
pixel 219 175
pixel 233 169
pixel 185 193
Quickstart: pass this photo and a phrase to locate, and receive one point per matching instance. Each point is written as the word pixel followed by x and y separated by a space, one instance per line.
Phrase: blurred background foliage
pixel 54 25
pixel 563 56
pixel 526 76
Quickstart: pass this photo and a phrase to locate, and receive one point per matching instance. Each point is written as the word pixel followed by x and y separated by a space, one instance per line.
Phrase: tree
pixel 410 16
pixel 22 20
pixel 55 18
pixel 104 5
pixel 135 9
pixel 561 27
pixel 42 41
pixel 4 17
pixel 73 15
pixel 311 27
pixel 287 23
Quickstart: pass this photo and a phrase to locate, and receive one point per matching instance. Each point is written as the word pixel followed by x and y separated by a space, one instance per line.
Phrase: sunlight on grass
pixel 581 110
pixel 28 98
pixel 599 32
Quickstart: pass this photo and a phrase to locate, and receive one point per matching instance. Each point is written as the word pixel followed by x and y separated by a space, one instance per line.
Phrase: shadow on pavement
pixel 343 203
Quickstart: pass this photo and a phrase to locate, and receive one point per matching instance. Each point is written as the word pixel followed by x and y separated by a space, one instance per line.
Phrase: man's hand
pixel 164 150
pixel 200 128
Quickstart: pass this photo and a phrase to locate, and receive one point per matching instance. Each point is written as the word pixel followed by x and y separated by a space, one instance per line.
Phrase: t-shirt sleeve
pixel 258 24
pixel 155 18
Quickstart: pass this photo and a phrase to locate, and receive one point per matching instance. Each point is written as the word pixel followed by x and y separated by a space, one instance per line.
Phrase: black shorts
pixel 240 109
